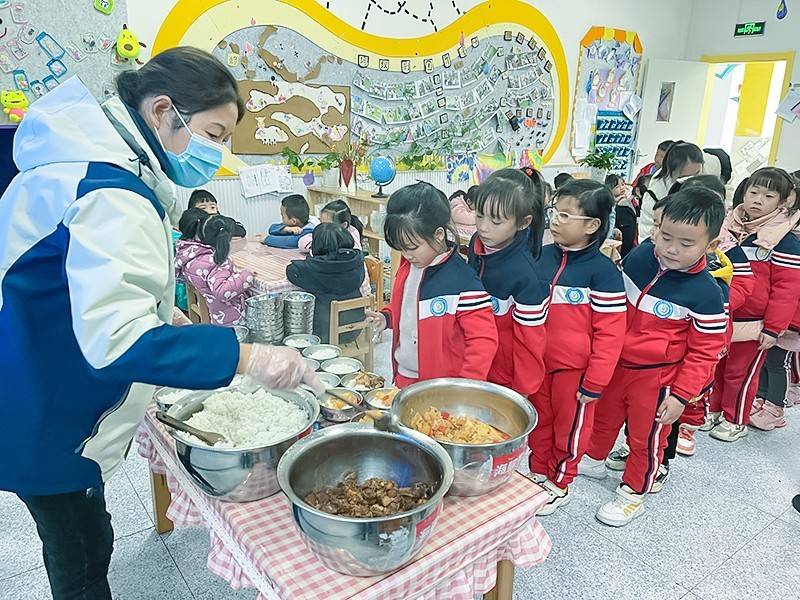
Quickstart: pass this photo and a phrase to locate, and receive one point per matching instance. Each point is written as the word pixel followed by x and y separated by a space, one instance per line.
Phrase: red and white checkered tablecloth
pixel 256 545
pixel 268 264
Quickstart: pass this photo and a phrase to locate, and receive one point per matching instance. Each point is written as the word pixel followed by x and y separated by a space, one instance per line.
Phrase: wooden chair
pixel 376 278
pixel 198 309
pixel 362 347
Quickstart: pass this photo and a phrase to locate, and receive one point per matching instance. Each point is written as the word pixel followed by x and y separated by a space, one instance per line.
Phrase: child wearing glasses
pixel 585 327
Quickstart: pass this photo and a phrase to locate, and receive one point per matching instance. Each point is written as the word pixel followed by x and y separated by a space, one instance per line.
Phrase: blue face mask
pixel 196 165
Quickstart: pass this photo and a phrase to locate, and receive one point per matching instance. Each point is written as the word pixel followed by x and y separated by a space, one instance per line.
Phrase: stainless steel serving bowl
pixel 242 333
pixel 339 415
pixel 348 366
pixel 479 468
pixel 301 341
pixel 236 474
pixel 329 379
pixel 329 350
pixel 372 546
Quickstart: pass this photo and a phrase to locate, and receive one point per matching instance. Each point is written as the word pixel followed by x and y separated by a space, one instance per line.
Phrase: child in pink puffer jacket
pixel 202 259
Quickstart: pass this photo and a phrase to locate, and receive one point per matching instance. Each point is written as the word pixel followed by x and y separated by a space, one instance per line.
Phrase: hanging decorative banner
pixel 782 10
pixel 460 168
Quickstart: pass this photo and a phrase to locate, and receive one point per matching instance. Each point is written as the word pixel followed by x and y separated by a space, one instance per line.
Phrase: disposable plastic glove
pixel 280 368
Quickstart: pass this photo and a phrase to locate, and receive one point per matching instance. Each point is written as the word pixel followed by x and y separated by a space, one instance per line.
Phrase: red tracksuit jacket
pixel 456 336
pixel 674 317
pixel 586 318
pixel 519 302
pixel 776 287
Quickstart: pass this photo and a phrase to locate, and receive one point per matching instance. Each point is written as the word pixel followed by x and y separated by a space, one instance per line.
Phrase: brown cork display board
pixel 308 118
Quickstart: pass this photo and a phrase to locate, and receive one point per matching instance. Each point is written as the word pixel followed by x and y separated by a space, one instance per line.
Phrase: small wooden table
pixel 266 263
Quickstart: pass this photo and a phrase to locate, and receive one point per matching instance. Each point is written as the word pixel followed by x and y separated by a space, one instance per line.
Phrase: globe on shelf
pixel 382 171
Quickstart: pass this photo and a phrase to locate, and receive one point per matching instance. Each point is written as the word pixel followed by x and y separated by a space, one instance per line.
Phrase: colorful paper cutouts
pixel 50 46
pixel 21 80
pixel 50 82
pixel 38 88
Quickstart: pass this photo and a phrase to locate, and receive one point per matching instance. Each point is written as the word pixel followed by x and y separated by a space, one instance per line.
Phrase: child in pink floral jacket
pixel 202 259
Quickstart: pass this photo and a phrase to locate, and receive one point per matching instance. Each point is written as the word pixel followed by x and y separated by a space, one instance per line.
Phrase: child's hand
pixel 376 320
pixel 584 399
pixel 293 230
pixel 766 341
pixel 670 410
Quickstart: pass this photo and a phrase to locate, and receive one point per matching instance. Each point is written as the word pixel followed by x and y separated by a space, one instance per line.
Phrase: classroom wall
pixel 711 32
pixel 662 26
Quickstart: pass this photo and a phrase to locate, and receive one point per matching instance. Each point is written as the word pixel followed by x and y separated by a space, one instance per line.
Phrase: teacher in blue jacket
pixel 87 294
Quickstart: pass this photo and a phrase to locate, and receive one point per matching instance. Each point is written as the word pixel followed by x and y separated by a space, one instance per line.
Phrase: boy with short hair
pixel 295 223
pixel 207 202
pixel 676 330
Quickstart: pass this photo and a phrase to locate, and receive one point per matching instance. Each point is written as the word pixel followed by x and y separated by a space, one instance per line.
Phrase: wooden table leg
pixel 504 586
pixel 161 500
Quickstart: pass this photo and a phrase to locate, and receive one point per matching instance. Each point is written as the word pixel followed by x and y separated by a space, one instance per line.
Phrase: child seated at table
pixel 333 271
pixel 462 210
pixel 202 260
pixel 205 200
pixel 295 223
pixel 337 212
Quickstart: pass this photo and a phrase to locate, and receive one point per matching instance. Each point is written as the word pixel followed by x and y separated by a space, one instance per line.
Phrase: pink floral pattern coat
pixel 224 287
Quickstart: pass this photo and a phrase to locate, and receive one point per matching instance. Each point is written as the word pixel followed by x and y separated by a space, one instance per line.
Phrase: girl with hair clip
pixel 681 160
pixel 766 227
pixel 585 329
pixel 509 216
pixel 338 212
pixel 202 259
pixel 440 314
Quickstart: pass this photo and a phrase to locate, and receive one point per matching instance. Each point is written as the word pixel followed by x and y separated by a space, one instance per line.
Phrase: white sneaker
pixel 537 478
pixel 728 432
pixel 624 508
pixel 617 460
pixel 556 498
pixel 589 467
pixel 712 420
pixel 661 479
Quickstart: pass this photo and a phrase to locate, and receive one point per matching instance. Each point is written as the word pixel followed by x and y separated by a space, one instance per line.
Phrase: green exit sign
pixel 749 29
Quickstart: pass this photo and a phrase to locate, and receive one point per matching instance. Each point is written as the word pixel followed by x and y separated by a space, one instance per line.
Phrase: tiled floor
pixel 723 528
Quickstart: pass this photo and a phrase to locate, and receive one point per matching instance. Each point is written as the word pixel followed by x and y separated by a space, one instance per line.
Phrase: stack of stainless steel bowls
pixel 265 318
pixel 369 546
pixel 298 313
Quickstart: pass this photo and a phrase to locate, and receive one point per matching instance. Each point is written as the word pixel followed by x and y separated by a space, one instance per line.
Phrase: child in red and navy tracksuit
pixel 440 314
pixel 585 327
pixel 676 326
pixel 510 219
pixel 764 225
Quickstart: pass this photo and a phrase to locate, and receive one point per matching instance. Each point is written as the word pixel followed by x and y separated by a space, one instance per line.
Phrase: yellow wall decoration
pixel 203 23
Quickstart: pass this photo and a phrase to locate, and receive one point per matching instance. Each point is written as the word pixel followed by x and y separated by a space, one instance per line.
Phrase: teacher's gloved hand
pixel 280 368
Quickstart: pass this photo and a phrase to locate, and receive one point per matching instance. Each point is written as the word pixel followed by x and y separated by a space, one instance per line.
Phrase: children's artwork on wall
pixel 608 77
pixel 39 51
pixel 298 115
pixel 410 96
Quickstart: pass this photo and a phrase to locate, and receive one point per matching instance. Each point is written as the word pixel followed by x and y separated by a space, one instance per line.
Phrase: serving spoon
pixel 209 437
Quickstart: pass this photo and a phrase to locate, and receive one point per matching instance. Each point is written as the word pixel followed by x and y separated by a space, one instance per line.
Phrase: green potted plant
pixel 600 162
pixel 328 164
pixel 302 165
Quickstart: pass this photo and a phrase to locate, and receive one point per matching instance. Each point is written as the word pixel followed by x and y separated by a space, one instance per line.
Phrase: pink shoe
pixel 758 404
pixel 687 445
pixel 793 395
pixel 768 418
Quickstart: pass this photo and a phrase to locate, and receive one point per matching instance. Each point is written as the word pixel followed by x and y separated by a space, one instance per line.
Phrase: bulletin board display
pixel 493 81
pixel 604 114
pixel 40 49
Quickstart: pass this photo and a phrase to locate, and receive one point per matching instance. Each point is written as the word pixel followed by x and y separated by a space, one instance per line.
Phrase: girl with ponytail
pixel 202 260
pixel 509 216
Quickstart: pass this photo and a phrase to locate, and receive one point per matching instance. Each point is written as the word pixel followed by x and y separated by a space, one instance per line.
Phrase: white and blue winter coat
pixel 86 295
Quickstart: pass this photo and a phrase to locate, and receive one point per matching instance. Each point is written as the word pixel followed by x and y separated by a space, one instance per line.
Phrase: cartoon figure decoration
pixel 128 46
pixel 15 104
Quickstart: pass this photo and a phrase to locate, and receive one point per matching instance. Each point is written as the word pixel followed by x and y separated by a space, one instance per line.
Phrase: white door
pixel 665 118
